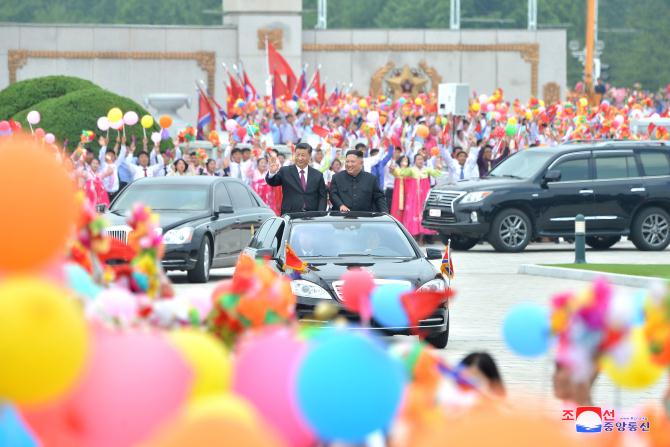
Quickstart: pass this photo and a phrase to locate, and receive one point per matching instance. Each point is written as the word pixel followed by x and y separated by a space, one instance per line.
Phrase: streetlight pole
pixel 455 16
pixel 590 43
pixel 532 15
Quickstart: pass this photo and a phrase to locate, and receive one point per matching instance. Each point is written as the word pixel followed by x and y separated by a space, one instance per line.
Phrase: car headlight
pixel 434 285
pixel 308 289
pixel 179 236
pixel 477 196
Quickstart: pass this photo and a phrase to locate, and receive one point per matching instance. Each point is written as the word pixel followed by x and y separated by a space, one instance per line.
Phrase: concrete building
pixel 138 60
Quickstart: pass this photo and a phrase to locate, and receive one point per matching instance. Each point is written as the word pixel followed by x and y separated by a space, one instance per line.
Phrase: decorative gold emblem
pixel 551 92
pixel 395 81
pixel 274 35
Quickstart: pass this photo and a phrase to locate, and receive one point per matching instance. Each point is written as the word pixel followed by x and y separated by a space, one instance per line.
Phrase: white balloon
pixel 156 137
pixel 33 117
pixel 103 123
pixel 117 125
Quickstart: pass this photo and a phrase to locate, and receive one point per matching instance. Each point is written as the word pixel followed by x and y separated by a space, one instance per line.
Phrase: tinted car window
pixel 164 197
pixel 221 196
pixel 274 236
pixel 573 170
pixel 655 163
pixel 616 167
pixel 240 196
pixel 261 233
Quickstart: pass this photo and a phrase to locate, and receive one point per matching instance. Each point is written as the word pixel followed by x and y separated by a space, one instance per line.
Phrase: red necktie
pixel 303 181
pixel 145 172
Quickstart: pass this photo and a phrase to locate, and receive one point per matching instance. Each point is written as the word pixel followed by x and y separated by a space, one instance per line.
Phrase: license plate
pixel 435 213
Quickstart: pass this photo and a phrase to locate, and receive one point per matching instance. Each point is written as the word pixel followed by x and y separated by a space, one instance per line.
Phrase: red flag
pixel 420 305
pixel 249 89
pixel 206 116
pixel 236 89
pixel 279 67
pixel 315 83
pixel 322 93
pixel 320 131
pixel 14 125
pixel 293 261
pixel 279 89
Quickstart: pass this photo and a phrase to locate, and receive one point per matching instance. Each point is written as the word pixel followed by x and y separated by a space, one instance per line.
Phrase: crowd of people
pixel 403 143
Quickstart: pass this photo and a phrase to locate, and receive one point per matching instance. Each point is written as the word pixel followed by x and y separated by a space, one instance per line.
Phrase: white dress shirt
pixel 141 172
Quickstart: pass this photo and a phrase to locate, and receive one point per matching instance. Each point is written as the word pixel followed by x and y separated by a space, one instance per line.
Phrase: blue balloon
pixel 639 300
pixel 80 281
pixel 13 431
pixel 386 306
pixel 349 387
pixel 526 329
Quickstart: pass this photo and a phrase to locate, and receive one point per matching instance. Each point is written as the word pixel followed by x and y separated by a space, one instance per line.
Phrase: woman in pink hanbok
pixel 257 180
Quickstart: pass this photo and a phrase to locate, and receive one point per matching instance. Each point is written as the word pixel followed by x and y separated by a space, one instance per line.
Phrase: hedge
pixel 22 95
pixel 67 115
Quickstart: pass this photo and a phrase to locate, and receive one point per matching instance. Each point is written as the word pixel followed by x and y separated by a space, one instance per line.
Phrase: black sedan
pixel 206 221
pixel 334 242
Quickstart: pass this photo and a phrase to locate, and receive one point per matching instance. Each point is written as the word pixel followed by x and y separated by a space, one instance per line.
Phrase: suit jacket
pixel 294 199
pixel 360 193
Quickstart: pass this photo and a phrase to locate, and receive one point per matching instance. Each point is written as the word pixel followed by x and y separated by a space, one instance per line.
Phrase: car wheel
pixel 511 231
pixel 651 229
pixel 200 273
pixel 461 243
pixel 440 339
pixel 602 242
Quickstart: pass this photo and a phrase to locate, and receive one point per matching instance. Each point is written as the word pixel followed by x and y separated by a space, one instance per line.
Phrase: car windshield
pixel 524 164
pixel 164 197
pixel 333 239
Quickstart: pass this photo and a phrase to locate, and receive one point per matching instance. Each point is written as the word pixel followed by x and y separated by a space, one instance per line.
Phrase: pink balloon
pixel 117 125
pixel 265 373
pixel 156 137
pixel 39 132
pixel 231 125
pixel 490 107
pixel 103 123
pixel 202 304
pixel 33 117
pixel 118 303
pixel 372 117
pixel 49 138
pixel 135 381
pixel 4 126
pixel 130 118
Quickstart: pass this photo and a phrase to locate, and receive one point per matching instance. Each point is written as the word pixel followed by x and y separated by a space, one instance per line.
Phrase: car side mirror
pixel 433 253
pixel 553 175
pixel 101 208
pixel 225 209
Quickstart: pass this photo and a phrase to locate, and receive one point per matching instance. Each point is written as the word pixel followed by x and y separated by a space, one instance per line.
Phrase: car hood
pixel 416 271
pixel 481 184
pixel 166 219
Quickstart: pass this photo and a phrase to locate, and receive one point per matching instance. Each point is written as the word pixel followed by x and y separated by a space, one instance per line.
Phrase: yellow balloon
pixel 114 115
pixel 227 406
pixel 640 372
pixel 512 121
pixel 583 102
pixel 147 121
pixel 529 115
pixel 208 359
pixel 43 341
pixel 362 104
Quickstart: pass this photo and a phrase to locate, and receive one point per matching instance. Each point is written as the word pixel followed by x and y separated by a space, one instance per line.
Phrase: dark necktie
pixel 145 172
pixel 303 181
pixel 462 173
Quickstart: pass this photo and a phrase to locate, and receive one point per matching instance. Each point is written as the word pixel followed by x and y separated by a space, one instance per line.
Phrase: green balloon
pixel 510 130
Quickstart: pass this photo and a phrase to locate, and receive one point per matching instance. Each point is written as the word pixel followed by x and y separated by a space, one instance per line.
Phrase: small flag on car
pixel 447 267
pixel 293 262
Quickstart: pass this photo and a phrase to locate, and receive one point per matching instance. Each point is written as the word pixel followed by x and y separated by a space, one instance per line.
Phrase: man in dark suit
pixel 356 190
pixel 303 188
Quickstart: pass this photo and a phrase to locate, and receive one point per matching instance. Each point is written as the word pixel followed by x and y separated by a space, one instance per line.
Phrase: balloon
pixel 213 431
pixel 510 130
pixel 49 138
pixel 526 329
pixel 483 98
pixel 114 115
pixel 476 106
pixel 386 306
pixel 39 133
pixel 116 125
pixel 13 431
pixel 25 243
pixel 231 125
pixel 118 304
pixel 640 372
pixel 512 121
pixel 583 102
pixel 4 126
pixel 490 107
pixel 265 371
pixel 156 137
pixel 435 151
pixel 80 281
pixel 147 121
pixel 362 103
pixel 497 116
pixel 43 341
pixel 103 123
pixel 372 117
pixel 165 121
pixel 208 360
pixel 130 118
pixel 33 117
pixel 134 382
pixel 356 288
pixel 227 405
pixel 241 132
pixel 418 101
pixel 330 390
pixel 422 131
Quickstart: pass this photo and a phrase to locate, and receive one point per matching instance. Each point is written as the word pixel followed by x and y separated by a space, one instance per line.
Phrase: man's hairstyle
pixel 143 153
pixel 235 150
pixel 304 146
pixel 210 160
pixel 246 149
pixel 110 151
pixel 275 151
pixel 360 147
pixel 355 152
pixel 374 151
pixel 276 116
pixel 193 153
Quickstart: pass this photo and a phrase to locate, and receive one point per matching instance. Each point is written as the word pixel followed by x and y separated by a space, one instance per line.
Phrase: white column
pixel 455 16
pixel 322 14
pixel 532 15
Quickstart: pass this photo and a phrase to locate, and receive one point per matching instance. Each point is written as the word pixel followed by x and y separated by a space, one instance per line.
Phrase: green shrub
pixel 67 115
pixel 22 95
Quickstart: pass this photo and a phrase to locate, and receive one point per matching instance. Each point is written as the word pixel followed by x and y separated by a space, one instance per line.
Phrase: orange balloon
pixel 39 209
pixel 422 131
pixel 165 121
pixel 215 430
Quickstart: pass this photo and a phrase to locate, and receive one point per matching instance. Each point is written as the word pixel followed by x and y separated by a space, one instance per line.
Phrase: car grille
pixel 444 199
pixel 337 285
pixel 445 219
pixel 119 233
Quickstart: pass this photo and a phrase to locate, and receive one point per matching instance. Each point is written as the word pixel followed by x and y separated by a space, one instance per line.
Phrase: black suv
pixel 621 187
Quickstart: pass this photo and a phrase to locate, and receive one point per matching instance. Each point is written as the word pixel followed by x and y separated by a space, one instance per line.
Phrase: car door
pixel 618 190
pixel 226 240
pixel 247 218
pixel 559 202
pixel 267 237
pixel 257 240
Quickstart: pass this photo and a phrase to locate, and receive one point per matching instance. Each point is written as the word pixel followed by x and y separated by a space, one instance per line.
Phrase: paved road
pixel 488 285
